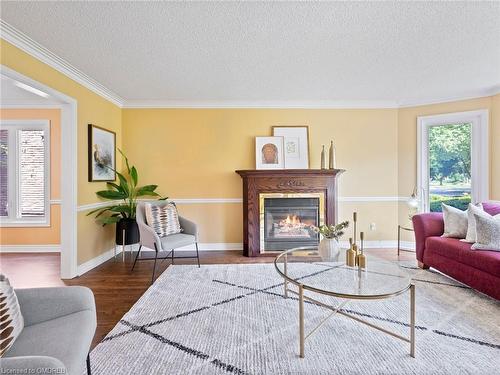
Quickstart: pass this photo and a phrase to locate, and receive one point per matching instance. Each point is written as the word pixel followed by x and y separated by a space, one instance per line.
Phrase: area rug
pixel 233 319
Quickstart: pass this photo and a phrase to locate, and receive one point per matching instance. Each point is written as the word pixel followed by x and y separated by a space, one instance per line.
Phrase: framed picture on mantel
pixel 295 145
pixel 269 153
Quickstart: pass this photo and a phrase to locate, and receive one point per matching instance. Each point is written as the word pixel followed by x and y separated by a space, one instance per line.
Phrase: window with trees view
pixel 24 173
pixel 452 159
pixel 450 165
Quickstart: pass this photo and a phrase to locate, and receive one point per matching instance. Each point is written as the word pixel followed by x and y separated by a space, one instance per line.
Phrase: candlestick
pixel 330 156
pixel 334 157
pixel 323 166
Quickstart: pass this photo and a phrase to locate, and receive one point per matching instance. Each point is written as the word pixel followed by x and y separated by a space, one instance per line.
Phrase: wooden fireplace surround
pixel 256 182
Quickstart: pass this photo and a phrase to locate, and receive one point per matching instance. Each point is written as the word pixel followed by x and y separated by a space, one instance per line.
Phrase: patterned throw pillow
pixel 11 320
pixel 163 218
pixel 455 222
pixel 471 221
pixel 487 233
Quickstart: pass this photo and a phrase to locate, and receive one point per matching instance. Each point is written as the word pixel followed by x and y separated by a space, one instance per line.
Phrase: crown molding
pixel 33 48
pixel 271 104
pixel 476 94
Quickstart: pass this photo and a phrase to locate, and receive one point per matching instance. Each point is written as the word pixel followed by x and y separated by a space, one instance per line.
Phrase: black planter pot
pixel 131 232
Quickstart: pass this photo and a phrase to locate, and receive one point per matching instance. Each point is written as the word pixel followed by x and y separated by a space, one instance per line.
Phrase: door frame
pixel 479 120
pixel 69 166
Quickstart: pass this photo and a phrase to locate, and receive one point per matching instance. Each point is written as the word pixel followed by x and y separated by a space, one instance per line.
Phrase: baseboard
pixel 30 248
pixel 384 244
pixel 98 260
pixel 226 246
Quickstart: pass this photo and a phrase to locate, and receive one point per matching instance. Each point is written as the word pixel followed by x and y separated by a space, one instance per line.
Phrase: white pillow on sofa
pixel 455 222
pixel 471 221
pixel 487 233
pixel 11 319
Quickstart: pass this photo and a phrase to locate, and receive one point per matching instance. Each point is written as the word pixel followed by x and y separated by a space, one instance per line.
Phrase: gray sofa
pixel 59 325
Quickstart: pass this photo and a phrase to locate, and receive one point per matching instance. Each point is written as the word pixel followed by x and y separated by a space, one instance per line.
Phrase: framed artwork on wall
pixel 269 153
pixel 295 145
pixel 101 154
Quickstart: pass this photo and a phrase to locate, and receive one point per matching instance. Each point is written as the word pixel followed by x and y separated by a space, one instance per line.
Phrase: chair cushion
pixel 67 339
pixel 177 240
pixel 487 261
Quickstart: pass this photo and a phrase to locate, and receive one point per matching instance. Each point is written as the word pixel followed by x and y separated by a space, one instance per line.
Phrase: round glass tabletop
pixel 332 276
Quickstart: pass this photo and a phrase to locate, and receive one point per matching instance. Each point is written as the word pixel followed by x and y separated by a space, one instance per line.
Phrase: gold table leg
pixel 301 320
pixel 285 284
pixel 123 245
pixel 412 320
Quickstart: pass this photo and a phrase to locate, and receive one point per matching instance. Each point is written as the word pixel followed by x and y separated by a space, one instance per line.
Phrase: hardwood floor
pixel 115 287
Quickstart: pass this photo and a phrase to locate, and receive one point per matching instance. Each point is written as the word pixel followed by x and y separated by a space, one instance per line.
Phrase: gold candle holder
pixel 361 257
pixel 323 157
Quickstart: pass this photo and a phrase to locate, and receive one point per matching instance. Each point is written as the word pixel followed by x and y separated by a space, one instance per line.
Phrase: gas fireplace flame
pixel 293 220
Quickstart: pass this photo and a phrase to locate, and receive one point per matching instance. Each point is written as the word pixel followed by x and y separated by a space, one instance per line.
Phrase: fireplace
pixel 280 206
pixel 288 220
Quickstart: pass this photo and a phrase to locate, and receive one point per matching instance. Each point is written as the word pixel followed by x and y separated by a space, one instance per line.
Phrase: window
pixel 24 173
pixel 453 159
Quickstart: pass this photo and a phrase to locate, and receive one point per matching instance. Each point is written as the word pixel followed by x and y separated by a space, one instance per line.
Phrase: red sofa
pixel 479 269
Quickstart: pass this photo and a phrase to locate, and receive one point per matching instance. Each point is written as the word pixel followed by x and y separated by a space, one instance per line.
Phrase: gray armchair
pixel 59 325
pixel 150 239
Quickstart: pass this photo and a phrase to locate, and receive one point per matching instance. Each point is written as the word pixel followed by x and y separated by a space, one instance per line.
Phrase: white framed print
pixel 269 153
pixel 295 145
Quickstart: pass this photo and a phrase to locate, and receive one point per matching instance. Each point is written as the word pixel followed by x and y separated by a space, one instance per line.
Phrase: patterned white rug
pixel 233 319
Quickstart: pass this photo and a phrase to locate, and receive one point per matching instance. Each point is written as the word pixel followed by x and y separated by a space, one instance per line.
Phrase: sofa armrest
pixel 32 365
pixel 188 227
pixel 42 304
pixel 426 225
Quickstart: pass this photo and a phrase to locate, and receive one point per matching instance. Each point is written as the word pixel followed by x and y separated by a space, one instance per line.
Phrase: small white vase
pixel 329 249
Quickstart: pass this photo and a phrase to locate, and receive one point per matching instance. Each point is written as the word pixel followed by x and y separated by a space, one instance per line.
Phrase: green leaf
pixel 123 183
pixel 121 208
pixel 110 194
pixel 117 187
pixel 147 190
pixel 98 209
pixel 126 160
pixel 133 174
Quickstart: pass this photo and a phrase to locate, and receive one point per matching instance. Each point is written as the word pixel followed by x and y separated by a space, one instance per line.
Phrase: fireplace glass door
pixel 289 222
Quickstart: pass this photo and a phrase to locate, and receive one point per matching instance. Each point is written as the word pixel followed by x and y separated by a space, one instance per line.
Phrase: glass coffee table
pixel 308 271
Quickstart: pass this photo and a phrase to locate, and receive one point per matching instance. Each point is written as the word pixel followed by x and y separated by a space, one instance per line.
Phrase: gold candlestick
pixel 361 256
pixel 331 157
pixel 323 166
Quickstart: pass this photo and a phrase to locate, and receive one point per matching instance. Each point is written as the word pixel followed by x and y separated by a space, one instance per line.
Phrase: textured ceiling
pixel 273 52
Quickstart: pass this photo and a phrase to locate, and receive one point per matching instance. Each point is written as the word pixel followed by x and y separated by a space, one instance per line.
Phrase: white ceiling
pixel 273 53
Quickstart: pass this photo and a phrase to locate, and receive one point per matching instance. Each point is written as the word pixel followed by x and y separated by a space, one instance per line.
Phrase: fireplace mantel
pixel 256 182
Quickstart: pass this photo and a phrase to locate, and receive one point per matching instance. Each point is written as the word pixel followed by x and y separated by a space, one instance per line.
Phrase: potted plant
pixel 123 212
pixel 329 247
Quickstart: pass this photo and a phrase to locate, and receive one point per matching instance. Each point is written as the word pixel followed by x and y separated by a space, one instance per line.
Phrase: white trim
pixel 222 246
pixel 30 248
pixel 91 206
pixel 55 201
pixel 28 45
pixel 35 49
pixel 479 152
pixel 475 94
pixel 68 106
pixel 98 260
pixel 278 104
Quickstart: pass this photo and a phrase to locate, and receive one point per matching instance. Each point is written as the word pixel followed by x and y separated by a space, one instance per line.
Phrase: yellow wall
pixel 40 235
pixel 193 153
pixel 92 109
